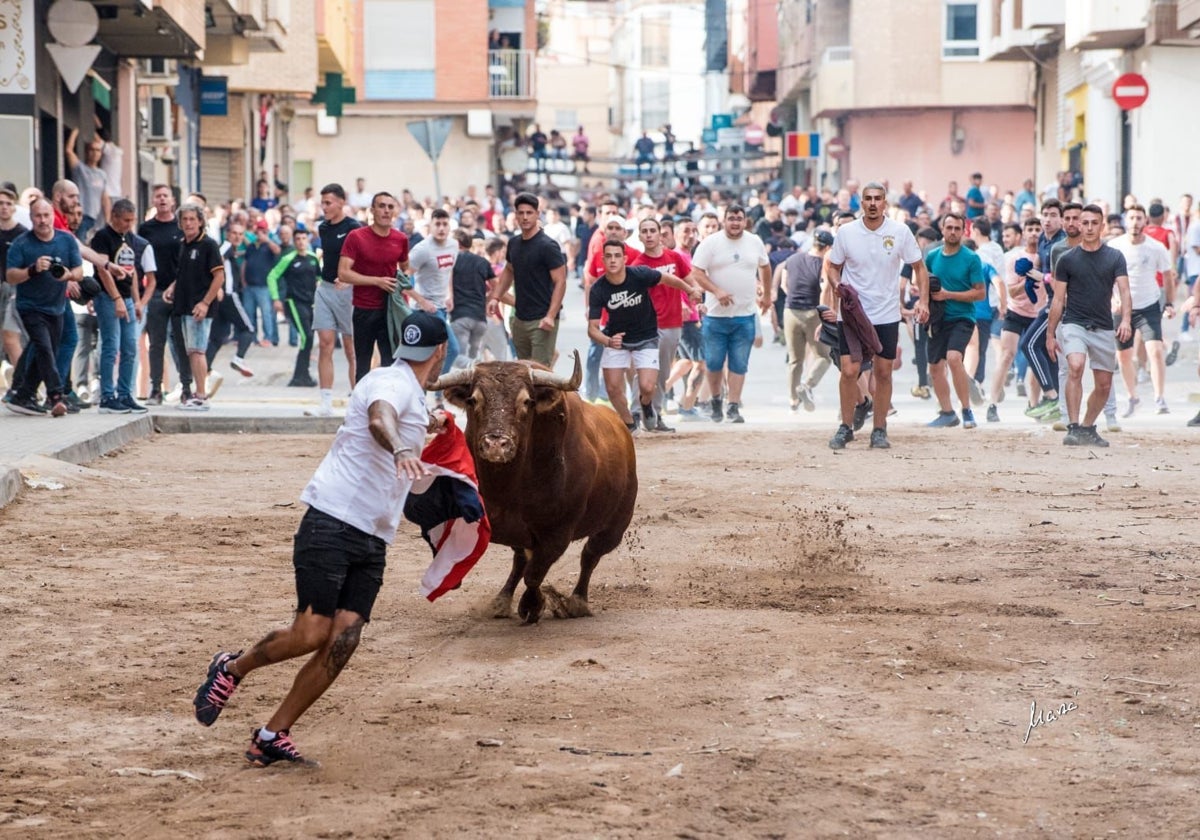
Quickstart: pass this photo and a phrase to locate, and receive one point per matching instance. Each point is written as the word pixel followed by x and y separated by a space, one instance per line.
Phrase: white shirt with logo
pixel 871 261
pixel 357 481
pixel 433 267
pixel 732 265
pixel 1143 261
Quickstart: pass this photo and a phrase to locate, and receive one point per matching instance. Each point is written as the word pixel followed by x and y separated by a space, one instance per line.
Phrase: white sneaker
pixel 1111 422
pixel 174 395
pixel 1187 337
pixel 195 404
pixel 215 381
pixel 5 375
pixel 1160 405
pixel 319 411
pixel 239 364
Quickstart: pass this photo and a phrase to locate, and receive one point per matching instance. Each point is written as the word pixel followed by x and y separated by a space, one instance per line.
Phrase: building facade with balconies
pixel 470 61
pixel 1078 49
pixel 901 88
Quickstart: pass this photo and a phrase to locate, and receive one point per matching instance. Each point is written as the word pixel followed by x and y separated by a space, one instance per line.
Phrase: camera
pixel 58 271
pixel 935 283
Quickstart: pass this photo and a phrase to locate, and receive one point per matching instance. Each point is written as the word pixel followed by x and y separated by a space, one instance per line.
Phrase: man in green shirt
pixel 300 270
pixel 960 274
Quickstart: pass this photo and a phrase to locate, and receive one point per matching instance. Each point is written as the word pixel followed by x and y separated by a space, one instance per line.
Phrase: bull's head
pixel 501 399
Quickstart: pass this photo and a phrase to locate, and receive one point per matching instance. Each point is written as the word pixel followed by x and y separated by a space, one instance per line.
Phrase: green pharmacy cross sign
pixel 333 95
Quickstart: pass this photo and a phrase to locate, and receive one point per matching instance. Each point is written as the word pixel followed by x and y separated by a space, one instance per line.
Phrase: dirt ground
pixel 791 643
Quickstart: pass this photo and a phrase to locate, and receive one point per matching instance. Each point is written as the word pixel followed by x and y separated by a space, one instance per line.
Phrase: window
pixel 656 101
pixel 962 31
pixel 656 41
pixel 398 49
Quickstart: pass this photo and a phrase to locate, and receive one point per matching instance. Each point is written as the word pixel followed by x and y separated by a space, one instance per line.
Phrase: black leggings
pixel 158 319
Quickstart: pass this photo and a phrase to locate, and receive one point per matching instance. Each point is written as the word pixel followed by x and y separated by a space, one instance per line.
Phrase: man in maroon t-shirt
pixel 668 306
pixel 370 258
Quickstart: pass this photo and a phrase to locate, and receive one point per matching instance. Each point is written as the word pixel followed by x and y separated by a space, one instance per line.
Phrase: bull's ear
pixel 458 395
pixel 548 399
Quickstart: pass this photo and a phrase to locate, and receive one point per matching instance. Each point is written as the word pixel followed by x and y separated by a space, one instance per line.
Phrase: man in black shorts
pixel 1084 278
pixel 340 548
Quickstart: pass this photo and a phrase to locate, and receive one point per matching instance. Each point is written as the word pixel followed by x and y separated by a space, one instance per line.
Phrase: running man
pixel 355 499
pixel 668 304
pixel 631 334
pixel 960 283
pixel 369 261
pixel 867 255
pixel 1084 277
pixel 333 304
pixel 1025 301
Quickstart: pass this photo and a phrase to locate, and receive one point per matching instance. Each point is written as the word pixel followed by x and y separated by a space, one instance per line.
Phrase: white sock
pixel 266 734
pixel 326 398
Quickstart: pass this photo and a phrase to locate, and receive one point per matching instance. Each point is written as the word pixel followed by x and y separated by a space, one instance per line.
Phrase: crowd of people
pixel 91 305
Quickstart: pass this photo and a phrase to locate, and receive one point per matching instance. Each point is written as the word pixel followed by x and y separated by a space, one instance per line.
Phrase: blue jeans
pixel 68 340
pixel 594 388
pixel 728 339
pixel 118 338
pixel 255 298
pixel 452 346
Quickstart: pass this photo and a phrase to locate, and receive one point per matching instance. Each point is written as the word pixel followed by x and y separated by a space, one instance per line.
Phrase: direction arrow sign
pixel 1130 91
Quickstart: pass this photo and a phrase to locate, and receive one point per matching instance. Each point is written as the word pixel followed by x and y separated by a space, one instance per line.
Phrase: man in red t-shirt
pixel 370 258
pixel 613 228
pixel 668 305
pixel 1157 231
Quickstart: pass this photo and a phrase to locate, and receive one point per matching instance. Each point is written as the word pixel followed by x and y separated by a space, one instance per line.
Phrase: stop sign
pixel 1130 91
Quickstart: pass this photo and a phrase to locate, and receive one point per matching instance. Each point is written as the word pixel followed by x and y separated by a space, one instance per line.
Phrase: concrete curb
pixel 11 484
pixel 217 424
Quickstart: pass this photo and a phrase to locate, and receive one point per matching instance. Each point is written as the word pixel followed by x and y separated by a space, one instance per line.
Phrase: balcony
pixel 833 83
pixel 796 35
pixel 335 41
pixel 164 29
pixel 511 74
pixel 1105 24
pixel 1023 28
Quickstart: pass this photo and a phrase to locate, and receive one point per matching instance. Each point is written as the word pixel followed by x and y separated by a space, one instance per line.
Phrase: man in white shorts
pixel 631 335
pixel 333 310
pixel 867 255
pixel 1084 278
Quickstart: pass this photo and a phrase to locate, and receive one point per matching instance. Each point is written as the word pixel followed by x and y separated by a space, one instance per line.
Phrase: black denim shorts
pixel 338 567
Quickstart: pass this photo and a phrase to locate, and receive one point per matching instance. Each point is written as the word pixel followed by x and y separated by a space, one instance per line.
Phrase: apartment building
pixel 898 91
pixel 470 62
pixel 1077 50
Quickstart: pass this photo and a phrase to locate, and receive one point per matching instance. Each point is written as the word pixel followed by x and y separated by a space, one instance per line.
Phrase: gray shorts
pixel 1100 346
pixel 9 321
pixel 333 309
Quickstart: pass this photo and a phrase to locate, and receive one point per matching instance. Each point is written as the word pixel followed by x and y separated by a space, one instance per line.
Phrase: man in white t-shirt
pixel 732 266
pixel 867 256
pixel 355 500
pixel 360 199
pixel 1144 258
pixel 432 263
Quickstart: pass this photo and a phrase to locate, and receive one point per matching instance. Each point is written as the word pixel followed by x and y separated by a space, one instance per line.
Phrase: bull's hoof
pixel 561 606
pixel 530 606
pixel 499 607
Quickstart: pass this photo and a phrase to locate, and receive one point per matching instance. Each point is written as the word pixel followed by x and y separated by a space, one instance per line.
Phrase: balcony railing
pixel 511 74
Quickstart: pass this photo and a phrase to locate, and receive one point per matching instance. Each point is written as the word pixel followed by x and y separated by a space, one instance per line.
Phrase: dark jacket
pixel 861 338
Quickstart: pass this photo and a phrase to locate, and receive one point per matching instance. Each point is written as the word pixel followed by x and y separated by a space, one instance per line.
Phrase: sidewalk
pixel 259 404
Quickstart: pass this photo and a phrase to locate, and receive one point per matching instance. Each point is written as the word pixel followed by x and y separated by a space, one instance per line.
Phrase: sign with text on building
pixel 16 47
pixel 798 145
pixel 214 96
pixel 1130 91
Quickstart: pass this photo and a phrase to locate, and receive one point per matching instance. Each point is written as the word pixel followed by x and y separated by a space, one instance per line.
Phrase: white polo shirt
pixel 1143 262
pixel 357 481
pixel 732 265
pixel 871 262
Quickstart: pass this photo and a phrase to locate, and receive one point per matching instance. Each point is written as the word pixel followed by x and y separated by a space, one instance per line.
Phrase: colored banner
pixel 799 146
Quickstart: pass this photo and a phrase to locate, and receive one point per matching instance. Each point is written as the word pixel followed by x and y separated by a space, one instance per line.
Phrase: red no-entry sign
pixel 1130 91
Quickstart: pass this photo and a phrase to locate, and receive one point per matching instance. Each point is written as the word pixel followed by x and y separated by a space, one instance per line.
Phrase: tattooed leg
pixel 320 670
pixel 308 633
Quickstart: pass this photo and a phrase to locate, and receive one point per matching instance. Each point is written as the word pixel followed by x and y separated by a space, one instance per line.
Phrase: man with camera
pixel 39 265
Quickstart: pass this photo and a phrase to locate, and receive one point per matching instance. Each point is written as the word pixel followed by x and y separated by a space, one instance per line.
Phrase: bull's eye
pixel 530 402
pixel 470 401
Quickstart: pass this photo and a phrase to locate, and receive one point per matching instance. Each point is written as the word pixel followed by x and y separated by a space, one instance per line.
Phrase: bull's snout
pixel 498 448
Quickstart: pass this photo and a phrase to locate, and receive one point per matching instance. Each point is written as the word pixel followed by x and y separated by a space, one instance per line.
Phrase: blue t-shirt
pixel 958 273
pixel 259 261
pixel 974 194
pixel 42 292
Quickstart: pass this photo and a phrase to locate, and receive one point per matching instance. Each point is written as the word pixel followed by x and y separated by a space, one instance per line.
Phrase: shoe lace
pixel 222 687
pixel 283 743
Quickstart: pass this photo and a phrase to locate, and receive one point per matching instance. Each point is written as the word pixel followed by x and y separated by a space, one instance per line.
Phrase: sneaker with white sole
pixel 194 404
pixel 1160 406
pixel 1111 423
pixel 215 381
pixel 239 364
pixel 112 405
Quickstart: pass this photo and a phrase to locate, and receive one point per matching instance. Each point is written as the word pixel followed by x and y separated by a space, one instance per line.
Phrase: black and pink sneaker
pixel 216 690
pixel 279 748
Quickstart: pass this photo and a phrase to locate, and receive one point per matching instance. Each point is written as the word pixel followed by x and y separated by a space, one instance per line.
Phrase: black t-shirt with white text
pixel 532 260
pixel 1090 277
pixel 630 309
pixel 124 250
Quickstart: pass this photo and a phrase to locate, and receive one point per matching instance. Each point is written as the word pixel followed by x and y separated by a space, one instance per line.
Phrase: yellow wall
pixel 1077 97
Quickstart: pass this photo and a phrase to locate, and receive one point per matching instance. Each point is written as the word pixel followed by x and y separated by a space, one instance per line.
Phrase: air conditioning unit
pixel 157 70
pixel 158 119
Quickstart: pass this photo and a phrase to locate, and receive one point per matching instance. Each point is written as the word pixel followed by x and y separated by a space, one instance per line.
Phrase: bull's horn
pixel 454 377
pixel 552 380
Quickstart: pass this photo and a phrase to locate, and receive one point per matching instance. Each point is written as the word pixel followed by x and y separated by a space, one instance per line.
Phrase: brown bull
pixel 551 468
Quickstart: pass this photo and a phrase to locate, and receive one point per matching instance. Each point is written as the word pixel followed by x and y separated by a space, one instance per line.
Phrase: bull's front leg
pixel 542 557
pixel 501 605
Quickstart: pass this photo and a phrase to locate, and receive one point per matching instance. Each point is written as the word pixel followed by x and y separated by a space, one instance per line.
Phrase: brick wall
pixel 461 31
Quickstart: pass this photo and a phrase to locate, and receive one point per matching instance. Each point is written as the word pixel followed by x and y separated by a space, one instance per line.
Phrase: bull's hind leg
pixel 596 547
pixel 501 605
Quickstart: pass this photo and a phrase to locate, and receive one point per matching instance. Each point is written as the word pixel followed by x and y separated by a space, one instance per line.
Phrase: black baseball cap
pixel 823 237
pixel 420 335
pixel 9 189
